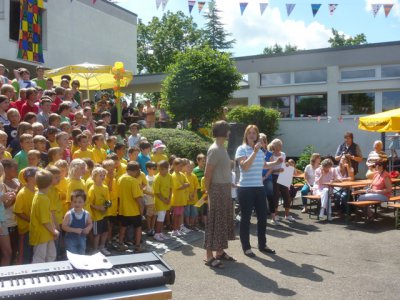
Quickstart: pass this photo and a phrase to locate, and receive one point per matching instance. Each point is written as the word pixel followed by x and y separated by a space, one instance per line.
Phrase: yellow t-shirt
pixel 157 157
pixel 203 188
pixel 123 161
pixel 53 144
pixel 89 182
pixel 40 215
pixel 75 184
pixel 99 155
pixel 56 204
pixel 113 189
pixel 129 191
pixel 192 190
pixel 162 185
pixel 62 187
pixel 74 149
pixel 96 196
pixel 23 205
pixel 142 180
pixel 179 196
pixel 121 170
pixel 83 154
pixel 7 155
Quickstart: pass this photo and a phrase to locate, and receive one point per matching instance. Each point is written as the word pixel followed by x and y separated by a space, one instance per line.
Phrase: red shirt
pixel 18 104
pixel 56 103
pixel 378 182
pixel 27 108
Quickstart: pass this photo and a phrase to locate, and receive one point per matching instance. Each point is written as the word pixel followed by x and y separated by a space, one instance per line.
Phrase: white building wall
pixel 78 32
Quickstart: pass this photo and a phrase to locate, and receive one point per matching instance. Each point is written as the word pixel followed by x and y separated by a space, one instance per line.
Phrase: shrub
pixel 304 158
pixel 266 119
pixel 182 143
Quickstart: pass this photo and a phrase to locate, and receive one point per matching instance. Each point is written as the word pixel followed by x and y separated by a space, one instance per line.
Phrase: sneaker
pixel 290 218
pixel 329 218
pixel 185 229
pixel 165 237
pixel 122 247
pixel 105 252
pixel 176 233
pixel 158 237
pixel 275 222
pixel 304 210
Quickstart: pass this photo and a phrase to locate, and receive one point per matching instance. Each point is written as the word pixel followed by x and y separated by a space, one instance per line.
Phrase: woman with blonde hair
pixel 309 178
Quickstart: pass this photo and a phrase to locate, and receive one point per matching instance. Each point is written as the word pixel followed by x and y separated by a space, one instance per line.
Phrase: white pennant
pixel 375 9
pixel 158 3
pixel 164 4
pixel 332 8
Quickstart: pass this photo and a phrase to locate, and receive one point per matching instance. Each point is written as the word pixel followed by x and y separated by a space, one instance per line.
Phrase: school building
pixel 73 32
pixel 320 93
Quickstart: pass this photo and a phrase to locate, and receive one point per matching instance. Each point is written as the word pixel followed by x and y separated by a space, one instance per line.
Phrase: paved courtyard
pixel 314 260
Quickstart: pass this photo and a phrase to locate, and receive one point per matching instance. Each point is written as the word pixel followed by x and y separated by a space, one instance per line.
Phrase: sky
pixel 254 32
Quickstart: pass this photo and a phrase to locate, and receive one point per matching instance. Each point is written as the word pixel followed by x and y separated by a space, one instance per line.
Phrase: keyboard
pixel 59 280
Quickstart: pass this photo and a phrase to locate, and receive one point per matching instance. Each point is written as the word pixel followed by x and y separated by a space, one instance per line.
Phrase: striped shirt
pixel 253 176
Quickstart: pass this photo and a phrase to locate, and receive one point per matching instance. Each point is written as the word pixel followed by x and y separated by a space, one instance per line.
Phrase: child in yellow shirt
pixel 99 154
pixel 98 195
pixel 190 209
pixel 130 205
pixel 42 231
pixel 77 169
pixel 83 151
pixel 111 182
pixel 22 210
pixel 162 189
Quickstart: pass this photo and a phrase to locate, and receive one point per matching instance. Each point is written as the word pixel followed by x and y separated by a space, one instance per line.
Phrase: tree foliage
pixel 198 84
pixel 214 33
pixel 266 119
pixel 339 40
pixel 161 39
pixel 277 49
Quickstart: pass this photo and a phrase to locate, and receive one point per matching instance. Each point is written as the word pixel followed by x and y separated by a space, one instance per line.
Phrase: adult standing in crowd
pixel 150 113
pixel 219 227
pixel 351 150
pixel 251 193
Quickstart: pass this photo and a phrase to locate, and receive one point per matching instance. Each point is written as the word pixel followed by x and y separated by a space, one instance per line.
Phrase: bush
pixel 182 143
pixel 304 158
pixel 266 119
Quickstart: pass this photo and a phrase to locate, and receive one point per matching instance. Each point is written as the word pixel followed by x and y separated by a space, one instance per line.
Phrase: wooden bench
pixel 362 204
pixel 314 200
pixel 396 206
pixel 394 199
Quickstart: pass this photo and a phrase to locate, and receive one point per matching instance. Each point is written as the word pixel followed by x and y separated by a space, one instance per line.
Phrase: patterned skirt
pixel 220 224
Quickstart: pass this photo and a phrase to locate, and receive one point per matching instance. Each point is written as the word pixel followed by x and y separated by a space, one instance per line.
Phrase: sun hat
pixel 157 144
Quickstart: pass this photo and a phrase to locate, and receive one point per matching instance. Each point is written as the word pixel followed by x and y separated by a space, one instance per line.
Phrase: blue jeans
pixel 75 243
pixel 252 198
pixel 305 190
pixel 191 211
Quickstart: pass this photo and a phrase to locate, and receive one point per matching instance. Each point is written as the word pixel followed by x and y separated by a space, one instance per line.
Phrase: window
pixel 281 104
pixel 311 105
pixel 275 79
pixel 2 9
pixel 14 20
pixel 391 71
pixel 310 76
pixel 357 74
pixel 390 100
pixel 358 104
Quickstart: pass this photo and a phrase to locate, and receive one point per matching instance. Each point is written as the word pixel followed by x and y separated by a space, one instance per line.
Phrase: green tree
pixel 198 84
pixel 340 40
pixel 277 49
pixel 214 33
pixel 161 39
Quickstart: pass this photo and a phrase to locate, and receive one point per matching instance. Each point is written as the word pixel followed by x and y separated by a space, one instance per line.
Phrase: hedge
pixel 182 143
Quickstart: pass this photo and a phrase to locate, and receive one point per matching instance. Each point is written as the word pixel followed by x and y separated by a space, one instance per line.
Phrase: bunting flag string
pixel 315 8
pixel 243 6
pixel 263 6
pixel 164 4
pixel 191 4
pixel 289 8
pixel 200 5
pixel 30 31
pixel 387 8
pixel 375 9
pixel 332 8
pixel 158 4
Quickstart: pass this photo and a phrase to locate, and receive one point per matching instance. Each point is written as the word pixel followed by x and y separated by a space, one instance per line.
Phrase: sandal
pixel 214 263
pixel 225 256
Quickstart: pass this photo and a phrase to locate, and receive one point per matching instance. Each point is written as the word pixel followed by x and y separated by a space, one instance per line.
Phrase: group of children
pixel 69 182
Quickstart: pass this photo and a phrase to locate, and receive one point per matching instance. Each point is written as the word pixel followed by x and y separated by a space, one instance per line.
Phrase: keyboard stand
pixel 155 293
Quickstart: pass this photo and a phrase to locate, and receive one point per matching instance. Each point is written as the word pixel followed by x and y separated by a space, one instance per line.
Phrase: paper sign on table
pixel 89 262
pixel 286 177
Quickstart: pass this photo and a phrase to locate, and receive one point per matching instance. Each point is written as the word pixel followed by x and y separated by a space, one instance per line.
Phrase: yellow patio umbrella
pixel 388 121
pixel 91 77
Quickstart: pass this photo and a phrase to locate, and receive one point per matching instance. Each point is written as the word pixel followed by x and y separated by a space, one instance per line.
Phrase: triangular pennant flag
pixel 243 6
pixel 200 5
pixel 191 4
pixel 332 8
pixel 158 3
pixel 315 8
pixel 289 8
pixel 263 6
pixel 387 8
pixel 375 9
pixel 164 4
